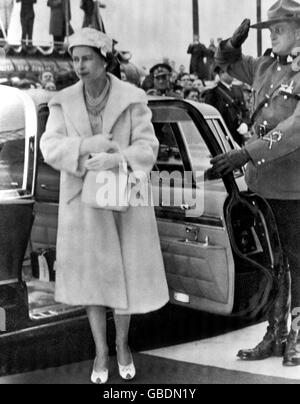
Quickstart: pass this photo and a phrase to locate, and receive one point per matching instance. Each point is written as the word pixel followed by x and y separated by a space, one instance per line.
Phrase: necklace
pixel 95 105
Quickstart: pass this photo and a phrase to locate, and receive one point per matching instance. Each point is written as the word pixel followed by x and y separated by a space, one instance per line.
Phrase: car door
pixel 18 130
pixel 190 209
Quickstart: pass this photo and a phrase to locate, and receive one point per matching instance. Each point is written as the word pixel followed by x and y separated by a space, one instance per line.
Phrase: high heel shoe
pixel 100 377
pixel 127 372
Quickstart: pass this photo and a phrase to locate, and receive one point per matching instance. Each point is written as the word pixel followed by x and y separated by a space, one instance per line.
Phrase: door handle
pixel 191 230
pixel 195 231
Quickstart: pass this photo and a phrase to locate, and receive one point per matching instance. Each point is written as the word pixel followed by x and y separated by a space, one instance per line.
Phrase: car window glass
pixel 16 164
pixel 169 155
pixel 198 151
pixel 187 147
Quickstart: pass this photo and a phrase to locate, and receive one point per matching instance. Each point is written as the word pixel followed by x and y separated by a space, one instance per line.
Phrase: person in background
pixel 178 89
pixel 192 94
pixel 228 99
pixel 27 21
pixel 60 19
pixel 199 85
pixel 105 259
pixel 181 72
pixel 6 9
pixel 92 17
pixel 161 74
pixel 186 81
pixel 130 73
pixel 198 52
pixel 46 77
pixel 148 83
pixel 49 86
pixel 211 59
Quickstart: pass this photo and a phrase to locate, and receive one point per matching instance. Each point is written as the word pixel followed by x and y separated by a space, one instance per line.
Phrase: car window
pixel 169 155
pixel 16 146
pixel 182 146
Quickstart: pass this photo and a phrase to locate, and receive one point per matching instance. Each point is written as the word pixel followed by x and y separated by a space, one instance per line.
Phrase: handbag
pixel 108 190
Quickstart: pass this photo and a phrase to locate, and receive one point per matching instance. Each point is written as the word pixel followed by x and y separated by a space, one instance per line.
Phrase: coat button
pixel 279 69
pixel 263 161
pixel 259 163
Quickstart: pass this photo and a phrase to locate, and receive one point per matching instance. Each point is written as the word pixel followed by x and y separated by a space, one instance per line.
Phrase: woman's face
pixel 88 64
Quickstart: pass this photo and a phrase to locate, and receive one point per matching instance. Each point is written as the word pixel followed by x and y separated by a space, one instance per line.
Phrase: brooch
pixel 287 88
pixel 273 138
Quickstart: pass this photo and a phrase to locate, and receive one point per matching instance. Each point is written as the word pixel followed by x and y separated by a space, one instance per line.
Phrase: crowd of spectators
pixel 203 82
pixel 46 80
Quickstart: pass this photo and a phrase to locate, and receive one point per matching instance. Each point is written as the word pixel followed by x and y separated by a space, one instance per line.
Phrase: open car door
pixel 18 127
pixel 220 245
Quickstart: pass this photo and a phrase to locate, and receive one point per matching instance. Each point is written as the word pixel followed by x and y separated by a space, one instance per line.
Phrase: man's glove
pixel 241 34
pixel 227 163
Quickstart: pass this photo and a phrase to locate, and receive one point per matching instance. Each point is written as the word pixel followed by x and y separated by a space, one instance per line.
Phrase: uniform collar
pixel 283 60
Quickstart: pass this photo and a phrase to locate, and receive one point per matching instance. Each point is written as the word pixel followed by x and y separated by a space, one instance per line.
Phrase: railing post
pixel 196 31
pixel 259 32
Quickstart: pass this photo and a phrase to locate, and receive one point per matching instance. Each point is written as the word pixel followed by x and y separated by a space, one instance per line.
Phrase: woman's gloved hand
pixel 241 34
pixel 98 144
pixel 227 163
pixel 104 161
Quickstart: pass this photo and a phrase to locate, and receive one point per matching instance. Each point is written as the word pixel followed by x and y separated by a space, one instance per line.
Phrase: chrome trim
pixel 9 282
pixel 30 132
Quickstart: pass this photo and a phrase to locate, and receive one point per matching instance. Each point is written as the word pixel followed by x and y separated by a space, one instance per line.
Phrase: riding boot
pixel 292 352
pixel 274 342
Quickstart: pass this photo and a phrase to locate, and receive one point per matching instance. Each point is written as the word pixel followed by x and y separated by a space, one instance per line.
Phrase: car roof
pixel 41 96
pixel 208 111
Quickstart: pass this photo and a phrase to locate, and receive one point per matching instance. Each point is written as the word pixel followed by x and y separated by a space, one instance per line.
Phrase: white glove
pixel 243 129
pixel 98 144
pixel 104 161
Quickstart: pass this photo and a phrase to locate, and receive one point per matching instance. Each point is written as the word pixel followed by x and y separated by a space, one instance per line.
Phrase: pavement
pixel 208 361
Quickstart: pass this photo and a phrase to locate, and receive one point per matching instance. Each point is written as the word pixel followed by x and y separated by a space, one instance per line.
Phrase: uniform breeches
pixel 287 215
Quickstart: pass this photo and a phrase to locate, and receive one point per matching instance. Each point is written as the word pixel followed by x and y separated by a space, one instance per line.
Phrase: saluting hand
pixel 227 163
pixel 241 34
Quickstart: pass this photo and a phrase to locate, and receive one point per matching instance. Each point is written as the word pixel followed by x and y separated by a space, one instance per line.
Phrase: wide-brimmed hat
pixel 93 38
pixel 281 11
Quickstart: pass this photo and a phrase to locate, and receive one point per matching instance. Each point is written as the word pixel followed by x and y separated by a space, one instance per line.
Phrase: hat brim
pixel 269 23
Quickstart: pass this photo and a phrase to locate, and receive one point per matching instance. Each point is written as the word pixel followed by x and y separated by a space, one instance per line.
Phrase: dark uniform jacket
pixel 92 17
pixel 27 10
pixel 60 13
pixel 274 170
pixel 197 65
pixel 230 103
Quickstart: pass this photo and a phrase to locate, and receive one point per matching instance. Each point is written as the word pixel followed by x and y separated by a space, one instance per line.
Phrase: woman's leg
pixel 122 329
pixel 97 320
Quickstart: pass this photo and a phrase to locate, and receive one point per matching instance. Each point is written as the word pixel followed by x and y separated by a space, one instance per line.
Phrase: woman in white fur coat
pixel 105 259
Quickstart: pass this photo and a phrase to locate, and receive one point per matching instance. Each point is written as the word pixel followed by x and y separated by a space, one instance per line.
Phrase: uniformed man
pixel 161 74
pixel 273 156
pixel 27 20
pixel 228 99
